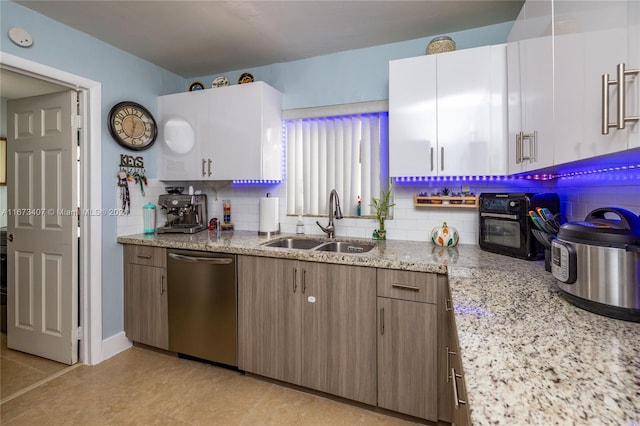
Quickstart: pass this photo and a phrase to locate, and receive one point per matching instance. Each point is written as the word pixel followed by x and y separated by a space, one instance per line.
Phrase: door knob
pixel 10 237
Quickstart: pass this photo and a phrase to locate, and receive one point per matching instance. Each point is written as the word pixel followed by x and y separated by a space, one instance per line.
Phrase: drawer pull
pixel 447 304
pixel 144 256
pixel 449 353
pixel 405 287
pixel 457 401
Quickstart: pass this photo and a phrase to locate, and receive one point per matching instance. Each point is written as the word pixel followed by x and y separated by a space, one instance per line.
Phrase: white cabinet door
pixel 246 132
pixel 536 57
pixel 183 130
pixel 591 38
pixel 531 66
pixel 412 117
pixel 472 111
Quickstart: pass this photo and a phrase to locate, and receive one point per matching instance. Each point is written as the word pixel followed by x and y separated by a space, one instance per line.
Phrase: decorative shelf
pixel 469 202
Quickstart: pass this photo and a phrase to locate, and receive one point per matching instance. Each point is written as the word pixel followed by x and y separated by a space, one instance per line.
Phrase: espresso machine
pixel 186 214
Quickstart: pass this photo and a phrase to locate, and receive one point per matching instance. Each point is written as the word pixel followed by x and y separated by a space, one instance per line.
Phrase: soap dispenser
pixel 300 225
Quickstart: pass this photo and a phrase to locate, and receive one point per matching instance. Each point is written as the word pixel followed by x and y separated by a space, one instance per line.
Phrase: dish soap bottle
pixel 300 225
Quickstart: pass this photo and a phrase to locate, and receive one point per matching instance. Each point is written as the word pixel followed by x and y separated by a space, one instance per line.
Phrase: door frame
pixel 90 256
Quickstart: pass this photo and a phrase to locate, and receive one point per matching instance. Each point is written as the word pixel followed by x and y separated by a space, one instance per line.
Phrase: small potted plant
pixel 445 193
pixel 382 206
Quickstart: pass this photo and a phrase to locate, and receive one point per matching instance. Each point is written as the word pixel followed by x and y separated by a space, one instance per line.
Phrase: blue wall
pixel 352 76
pixel 346 77
pixel 123 77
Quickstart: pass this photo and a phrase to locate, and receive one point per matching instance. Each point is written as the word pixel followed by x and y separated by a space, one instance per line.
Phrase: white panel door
pixel 42 226
pixel 413 144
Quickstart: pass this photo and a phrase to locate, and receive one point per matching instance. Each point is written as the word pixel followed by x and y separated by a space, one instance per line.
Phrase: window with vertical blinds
pixel 348 153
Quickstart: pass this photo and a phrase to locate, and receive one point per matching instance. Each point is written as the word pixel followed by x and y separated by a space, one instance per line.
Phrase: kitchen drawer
pixel 414 286
pixel 145 255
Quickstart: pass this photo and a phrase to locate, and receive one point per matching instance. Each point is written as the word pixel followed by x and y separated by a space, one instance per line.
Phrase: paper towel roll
pixel 269 215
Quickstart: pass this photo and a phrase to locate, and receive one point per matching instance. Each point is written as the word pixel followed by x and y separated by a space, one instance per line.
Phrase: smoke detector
pixel 20 37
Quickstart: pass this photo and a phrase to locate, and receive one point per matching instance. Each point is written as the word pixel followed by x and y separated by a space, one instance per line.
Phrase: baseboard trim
pixel 114 345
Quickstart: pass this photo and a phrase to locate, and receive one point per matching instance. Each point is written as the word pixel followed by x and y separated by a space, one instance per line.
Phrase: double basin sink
pixel 313 244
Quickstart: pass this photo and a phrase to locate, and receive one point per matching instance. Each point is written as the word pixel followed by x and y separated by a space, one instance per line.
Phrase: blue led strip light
pixel 536 177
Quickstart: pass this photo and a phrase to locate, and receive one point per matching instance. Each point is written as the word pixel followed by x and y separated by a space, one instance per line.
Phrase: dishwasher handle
pixel 211 260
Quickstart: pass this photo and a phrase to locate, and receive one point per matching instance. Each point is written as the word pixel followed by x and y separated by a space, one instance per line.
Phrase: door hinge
pixel 76 121
pixel 77 333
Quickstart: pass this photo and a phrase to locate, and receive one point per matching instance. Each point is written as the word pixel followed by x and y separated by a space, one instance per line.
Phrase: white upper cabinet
pixel 448 113
pixel 530 88
pixel 413 117
pixel 226 133
pixel 591 39
pixel 558 54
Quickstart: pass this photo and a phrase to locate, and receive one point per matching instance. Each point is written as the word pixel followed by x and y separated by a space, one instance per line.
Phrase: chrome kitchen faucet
pixel 334 213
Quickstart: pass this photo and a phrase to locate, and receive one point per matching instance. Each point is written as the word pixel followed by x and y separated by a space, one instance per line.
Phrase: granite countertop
pixel 529 357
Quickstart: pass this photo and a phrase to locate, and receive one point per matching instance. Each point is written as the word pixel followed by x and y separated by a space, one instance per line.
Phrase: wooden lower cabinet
pixel 411 344
pixel 269 318
pixel 310 324
pixel 146 318
pixel 407 357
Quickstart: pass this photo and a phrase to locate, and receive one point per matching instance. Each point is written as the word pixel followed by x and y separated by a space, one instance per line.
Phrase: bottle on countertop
pixel 300 225
pixel 359 207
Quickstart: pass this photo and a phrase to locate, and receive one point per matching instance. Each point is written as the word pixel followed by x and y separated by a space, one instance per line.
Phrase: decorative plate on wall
pixel 196 85
pixel 220 81
pixel 245 78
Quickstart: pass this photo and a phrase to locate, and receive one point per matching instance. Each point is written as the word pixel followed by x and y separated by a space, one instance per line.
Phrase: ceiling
pixel 14 85
pixel 197 38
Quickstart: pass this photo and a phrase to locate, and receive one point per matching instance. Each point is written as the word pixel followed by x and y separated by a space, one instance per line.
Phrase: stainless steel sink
pixel 295 243
pixel 321 245
pixel 345 247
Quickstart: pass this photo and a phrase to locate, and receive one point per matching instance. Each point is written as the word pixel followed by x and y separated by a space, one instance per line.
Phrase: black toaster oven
pixel 505 225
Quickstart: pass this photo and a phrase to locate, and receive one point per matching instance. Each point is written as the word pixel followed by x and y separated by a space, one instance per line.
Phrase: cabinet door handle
pixel 447 304
pixel 532 138
pixel 457 401
pixel 431 151
pixel 449 353
pixel 162 287
pixel 304 281
pixel 622 105
pixel 442 158
pixel 142 256
pixel 209 167
pixel 381 321
pixel 204 162
pixel 406 287
pixel 518 147
pixel 295 279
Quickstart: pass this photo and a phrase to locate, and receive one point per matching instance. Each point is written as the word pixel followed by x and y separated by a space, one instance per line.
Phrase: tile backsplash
pixel 578 195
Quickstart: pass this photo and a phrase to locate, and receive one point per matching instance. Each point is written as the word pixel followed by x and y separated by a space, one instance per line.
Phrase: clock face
pixel 132 126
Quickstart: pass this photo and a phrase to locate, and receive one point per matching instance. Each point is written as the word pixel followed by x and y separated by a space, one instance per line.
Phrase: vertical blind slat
pixel 344 153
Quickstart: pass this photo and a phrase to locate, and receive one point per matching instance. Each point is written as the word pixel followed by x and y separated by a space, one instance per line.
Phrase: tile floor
pixel 19 370
pixel 142 387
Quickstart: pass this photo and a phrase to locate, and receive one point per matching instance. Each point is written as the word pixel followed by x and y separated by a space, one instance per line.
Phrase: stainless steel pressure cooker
pixel 597 263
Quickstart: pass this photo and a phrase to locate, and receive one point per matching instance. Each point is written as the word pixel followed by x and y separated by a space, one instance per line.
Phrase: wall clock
pixel 132 126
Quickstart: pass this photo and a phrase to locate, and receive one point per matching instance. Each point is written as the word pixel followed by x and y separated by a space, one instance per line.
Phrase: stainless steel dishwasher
pixel 202 293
